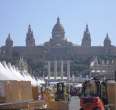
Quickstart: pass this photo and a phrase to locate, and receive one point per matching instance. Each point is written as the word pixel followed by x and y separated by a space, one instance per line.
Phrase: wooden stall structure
pixel 11 91
pixel 111 88
pixel 25 105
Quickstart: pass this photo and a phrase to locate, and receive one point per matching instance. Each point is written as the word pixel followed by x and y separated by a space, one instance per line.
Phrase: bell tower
pixel 9 41
pixel 8 47
pixel 107 41
pixel 107 44
pixel 30 41
pixel 86 41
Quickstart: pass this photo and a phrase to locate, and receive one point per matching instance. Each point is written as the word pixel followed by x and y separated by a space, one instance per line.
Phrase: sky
pixel 16 15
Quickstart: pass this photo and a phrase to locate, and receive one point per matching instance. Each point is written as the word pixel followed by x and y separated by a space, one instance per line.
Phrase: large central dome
pixel 58 30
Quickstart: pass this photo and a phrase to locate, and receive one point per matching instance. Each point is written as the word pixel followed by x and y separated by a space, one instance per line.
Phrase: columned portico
pixel 68 70
pixel 55 69
pixel 58 68
pixel 49 69
pixel 62 69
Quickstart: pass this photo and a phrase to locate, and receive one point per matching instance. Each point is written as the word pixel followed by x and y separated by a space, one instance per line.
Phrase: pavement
pixel 74 103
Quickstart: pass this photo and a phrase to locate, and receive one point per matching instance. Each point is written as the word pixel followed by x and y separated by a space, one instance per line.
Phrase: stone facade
pixel 103 68
pixel 57 48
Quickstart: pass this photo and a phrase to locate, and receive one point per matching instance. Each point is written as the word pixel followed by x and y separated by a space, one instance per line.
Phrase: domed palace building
pixel 58 56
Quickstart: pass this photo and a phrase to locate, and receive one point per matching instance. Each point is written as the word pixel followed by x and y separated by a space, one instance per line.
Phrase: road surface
pixel 74 103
